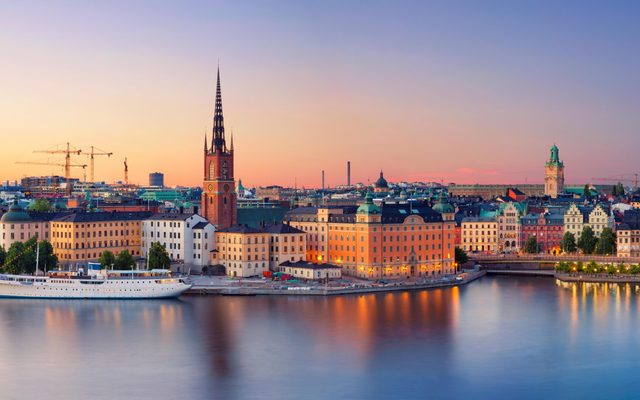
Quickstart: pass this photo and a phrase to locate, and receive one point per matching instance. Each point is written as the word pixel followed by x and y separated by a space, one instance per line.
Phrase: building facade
pixel 242 250
pixel 553 174
pixel 18 225
pixel 188 238
pixel 509 229
pixel 373 242
pixel 480 235
pixel 311 271
pixel 547 228
pixel 628 235
pixel 219 198
pixel 80 237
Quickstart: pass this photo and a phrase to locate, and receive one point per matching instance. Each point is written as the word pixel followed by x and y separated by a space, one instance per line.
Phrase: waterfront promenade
pixel 252 287
pixel 551 258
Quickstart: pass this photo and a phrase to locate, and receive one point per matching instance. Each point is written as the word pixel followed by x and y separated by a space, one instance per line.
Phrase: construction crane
pixel 65 165
pixel 126 172
pixel 68 152
pixel 95 152
pixel 633 180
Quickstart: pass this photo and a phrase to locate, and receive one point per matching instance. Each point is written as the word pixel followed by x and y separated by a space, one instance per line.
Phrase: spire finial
pixel 232 140
pixel 218 120
pixel 205 139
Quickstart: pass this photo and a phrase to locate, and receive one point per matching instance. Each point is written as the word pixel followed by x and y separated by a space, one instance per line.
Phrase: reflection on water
pixel 444 343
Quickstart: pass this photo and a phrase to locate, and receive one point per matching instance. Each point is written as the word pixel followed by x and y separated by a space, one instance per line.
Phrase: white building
pixel 509 229
pixel 306 270
pixel 188 238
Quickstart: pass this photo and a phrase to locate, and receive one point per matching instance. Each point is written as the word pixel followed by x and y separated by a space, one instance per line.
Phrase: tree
pixel 107 259
pixel 461 256
pixel 531 245
pixel 41 205
pixel 3 256
pixel 21 258
pixel 47 260
pixel 159 258
pixel 124 260
pixel 568 243
pixel 587 241
pixel 607 242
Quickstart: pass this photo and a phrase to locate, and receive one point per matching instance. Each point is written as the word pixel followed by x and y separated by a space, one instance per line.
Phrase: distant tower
pixel 219 198
pixel 349 174
pixel 553 174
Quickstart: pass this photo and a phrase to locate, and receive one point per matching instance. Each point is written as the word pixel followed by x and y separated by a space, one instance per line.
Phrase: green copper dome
pixel 443 206
pixel 16 214
pixel 368 207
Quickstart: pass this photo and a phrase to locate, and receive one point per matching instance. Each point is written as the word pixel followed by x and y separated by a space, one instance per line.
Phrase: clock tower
pixel 219 199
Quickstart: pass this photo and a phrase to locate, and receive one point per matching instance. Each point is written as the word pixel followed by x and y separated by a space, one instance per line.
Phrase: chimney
pixel 349 174
pixel 323 181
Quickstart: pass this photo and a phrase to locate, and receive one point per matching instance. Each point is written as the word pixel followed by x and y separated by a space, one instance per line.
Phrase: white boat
pixel 104 285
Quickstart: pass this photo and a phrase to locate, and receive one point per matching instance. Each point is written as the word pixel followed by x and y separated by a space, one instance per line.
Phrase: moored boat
pixel 111 284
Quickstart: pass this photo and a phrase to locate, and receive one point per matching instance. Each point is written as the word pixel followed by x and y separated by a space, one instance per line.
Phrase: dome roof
pixel 443 206
pixel 15 214
pixel 368 207
pixel 381 183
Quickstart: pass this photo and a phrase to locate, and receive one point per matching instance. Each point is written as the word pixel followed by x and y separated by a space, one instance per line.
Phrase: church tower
pixel 219 199
pixel 554 174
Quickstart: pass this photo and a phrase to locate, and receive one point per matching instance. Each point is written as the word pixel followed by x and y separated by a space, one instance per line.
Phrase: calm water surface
pixel 499 338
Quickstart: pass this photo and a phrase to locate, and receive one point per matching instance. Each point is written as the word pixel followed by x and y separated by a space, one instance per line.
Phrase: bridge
pixel 548 258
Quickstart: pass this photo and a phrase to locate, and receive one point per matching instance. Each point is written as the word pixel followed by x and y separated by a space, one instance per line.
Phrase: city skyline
pixel 475 94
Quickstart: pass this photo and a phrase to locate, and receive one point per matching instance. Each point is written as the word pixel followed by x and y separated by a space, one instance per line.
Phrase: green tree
pixel 21 258
pixel 592 267
pixel 580 267
pixel 3 256
pixel 568 243
pixel 563 266
pixel 107 259
pixel 461 256
pixel 531 245
pixel 618 190
pixel 41 205
pixel 47 260
pixel 124 260
pixel 607 242
pixel 587 242
pixel 159 258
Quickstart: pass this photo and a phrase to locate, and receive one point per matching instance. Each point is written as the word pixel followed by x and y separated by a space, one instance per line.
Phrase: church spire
pixel 218 144
pixel 205 140
pixel 232 140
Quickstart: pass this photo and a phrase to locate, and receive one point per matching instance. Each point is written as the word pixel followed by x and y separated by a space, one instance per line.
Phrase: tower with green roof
pixel 554 174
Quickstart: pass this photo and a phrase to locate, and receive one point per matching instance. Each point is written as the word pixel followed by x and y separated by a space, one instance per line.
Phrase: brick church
pixel 219 198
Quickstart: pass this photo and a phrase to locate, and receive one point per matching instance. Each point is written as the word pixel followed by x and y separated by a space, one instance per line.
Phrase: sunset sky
pixel 466 92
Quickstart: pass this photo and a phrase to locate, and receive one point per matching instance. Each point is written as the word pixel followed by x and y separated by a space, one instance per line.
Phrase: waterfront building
pixel 554 174
pixel 18 225
pixel 480 235
pixel 219 199
pixel 188 238
pixel 509 227
pixel 286 244
pixel 242 250
pixel 628 234
pixel 599 219
pixel 311 271
pixel 83 236
pixel 574 220
pixel 547 228
pixel 376 241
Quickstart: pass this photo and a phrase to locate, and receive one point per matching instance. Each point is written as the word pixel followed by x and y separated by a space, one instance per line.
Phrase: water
pixel 499 338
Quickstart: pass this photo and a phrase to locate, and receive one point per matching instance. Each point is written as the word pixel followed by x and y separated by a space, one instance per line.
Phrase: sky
pixel 452 91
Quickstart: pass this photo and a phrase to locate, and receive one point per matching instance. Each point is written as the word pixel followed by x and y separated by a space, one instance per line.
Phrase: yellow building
pixel 480 234
pixel 80 237
pixel 244 251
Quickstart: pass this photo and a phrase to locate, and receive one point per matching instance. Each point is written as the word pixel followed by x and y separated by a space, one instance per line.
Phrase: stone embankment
pixel 319 290
pixel 598 278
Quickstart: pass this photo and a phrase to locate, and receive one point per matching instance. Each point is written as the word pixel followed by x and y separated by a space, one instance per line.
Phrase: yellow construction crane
pixel 65 165
pixel 68 151
pixel 95 152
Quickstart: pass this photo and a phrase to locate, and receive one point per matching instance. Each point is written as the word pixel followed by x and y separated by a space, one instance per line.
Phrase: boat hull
pixel 107 289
